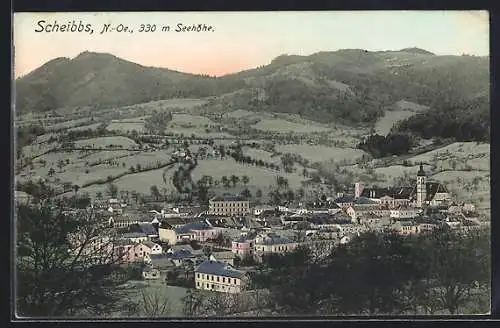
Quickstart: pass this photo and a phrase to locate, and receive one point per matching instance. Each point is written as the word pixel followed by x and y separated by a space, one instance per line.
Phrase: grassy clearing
pixel 199 133
pixel 411 106
pixel 67 124
pixel 103 155
pixel 461 182
pixel 150 158
pixel 105 141
pixel 126 126
pixel 85 127
pixel 77 175
pixel 140 182
pixel 260 178
pixel 395 171
pixel 173 294
pixel 385 123
pixel 239 113
pixel 460 150
pixel 321 153
pixel 283 126
pixel 187 119
pixel 261 154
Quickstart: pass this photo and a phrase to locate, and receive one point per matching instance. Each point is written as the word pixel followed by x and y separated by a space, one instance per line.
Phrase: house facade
pixel 217 276
pixel 242 247
pixel 404 212
pixel 155 248
pixel 135 237
pixel 199 231
pixel 228 206
pixel 273 245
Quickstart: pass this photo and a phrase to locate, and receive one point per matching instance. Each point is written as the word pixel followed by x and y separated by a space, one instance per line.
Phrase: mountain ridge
pixel 351 85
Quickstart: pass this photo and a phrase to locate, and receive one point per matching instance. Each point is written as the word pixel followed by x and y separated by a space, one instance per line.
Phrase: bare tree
pixel 156 304
pixel 66 264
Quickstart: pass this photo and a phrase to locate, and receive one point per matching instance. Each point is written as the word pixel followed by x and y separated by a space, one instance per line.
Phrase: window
pixel 234 281
pixel 198 275
pixel 223 279
pixel 212 278
pixel 217 278
pixel 208 286
pixel 212 286
pixel 198 284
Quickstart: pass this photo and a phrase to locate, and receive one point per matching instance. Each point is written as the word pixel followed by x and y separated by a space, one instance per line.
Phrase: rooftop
pixel 219 269
pixel 193 226
pixel 228 198
pixel 345 199
pixel 134 235
pixel 275 241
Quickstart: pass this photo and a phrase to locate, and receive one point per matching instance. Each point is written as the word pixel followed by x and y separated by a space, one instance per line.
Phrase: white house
pixel 217 276
pixel 155 248
pixel 404 212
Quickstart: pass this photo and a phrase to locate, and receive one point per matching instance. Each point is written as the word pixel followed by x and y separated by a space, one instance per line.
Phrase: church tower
pixel 421 189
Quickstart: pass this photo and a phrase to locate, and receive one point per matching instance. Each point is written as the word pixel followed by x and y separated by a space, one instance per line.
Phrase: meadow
pixel 317 153
pixel 284 126
pixel 386 122
pixel 102 142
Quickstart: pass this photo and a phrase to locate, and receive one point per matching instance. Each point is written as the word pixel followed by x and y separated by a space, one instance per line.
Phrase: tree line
pixel 383 274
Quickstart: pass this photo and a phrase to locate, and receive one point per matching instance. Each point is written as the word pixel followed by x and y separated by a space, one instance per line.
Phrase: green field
pixel 193 120
pixel 395 171
pixel 86 127
pixel 260 178
pixel 321 153
pixel 140 182
pixel 105 141
pixel 386 122
pixel 126 126
pixel 285 126
pixel 261 154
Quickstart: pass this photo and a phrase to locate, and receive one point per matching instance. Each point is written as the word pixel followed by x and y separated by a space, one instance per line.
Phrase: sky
pixel 244 40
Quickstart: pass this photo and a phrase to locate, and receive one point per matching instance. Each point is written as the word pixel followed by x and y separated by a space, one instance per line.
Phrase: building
pixel 345 201
pixel 135 237
pixel 221 277
pixel 155 248
pixel 258 210
pixel 405 212
pixel 243 246
pixel 226 257
pixel 274 245
pixel 150 273
pixel 423 193
pixel 421 189
pixel 406 228
pixel 22 197
pixel 228 206
pixel 131 252
pixel 199 231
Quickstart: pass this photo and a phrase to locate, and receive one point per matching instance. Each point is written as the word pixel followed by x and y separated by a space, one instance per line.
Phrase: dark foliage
pixel 392 144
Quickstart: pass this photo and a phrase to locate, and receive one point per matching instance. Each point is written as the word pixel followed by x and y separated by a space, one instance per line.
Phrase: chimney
pixel 358 189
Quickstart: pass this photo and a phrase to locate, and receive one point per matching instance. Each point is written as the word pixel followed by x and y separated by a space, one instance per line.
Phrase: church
pixel 424 193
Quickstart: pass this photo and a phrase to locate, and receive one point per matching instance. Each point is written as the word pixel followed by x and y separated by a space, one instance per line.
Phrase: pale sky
pixel 244 40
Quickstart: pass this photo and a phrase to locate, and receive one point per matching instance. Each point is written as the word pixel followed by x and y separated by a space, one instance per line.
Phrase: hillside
pixel 356 86
pixel 103 80
pixel 351 86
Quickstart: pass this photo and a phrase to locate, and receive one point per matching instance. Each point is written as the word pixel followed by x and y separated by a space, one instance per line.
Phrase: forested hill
pixel 351 86
pixel 103 80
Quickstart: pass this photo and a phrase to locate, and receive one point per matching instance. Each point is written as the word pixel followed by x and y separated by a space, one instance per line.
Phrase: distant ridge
pixel 345 86
pixel 416 50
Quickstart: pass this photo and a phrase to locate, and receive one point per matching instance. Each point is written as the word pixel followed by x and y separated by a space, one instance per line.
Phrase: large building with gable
pixel 424 193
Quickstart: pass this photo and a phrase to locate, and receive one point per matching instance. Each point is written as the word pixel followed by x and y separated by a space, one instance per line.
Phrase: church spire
pixel 421 172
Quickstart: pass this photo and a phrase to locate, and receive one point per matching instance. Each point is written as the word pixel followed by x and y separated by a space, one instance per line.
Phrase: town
pixel 223 174
pixel 216 245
